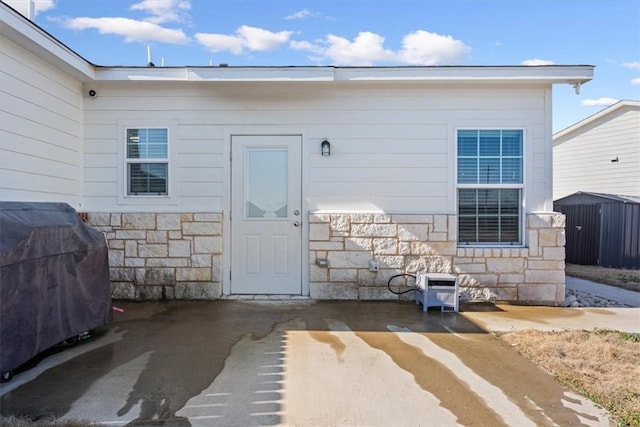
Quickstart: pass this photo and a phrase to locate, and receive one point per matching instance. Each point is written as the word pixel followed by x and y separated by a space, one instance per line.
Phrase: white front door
pixel 266 214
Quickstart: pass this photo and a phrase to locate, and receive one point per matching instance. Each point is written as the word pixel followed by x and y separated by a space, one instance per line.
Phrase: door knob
pixel 296 223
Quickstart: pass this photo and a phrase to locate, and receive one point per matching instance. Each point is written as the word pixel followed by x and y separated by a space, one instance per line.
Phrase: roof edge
pixel 564 133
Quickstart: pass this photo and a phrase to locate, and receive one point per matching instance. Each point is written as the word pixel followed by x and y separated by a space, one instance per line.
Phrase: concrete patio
pixel 241 363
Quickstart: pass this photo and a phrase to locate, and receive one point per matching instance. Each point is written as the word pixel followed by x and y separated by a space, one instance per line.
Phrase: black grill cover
pixel 54 279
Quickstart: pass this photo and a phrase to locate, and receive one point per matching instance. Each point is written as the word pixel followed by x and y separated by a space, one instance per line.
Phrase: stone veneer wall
pixel 163 256
pixel 428 243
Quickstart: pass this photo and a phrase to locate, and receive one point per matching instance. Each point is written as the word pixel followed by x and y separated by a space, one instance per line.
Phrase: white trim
pixel 257 130
pixel 516 186
pixel 171 198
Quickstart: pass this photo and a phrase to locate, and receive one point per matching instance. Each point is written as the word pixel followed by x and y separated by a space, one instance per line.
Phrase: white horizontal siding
pixel 583 162
pixel 392 145
pixel 40 129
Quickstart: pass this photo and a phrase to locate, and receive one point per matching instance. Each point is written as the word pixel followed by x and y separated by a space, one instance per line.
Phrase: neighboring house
pixel 210 181
pixel 599 154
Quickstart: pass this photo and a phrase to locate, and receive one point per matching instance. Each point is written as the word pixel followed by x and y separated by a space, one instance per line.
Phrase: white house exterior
pixel 209 182
pixel 600 154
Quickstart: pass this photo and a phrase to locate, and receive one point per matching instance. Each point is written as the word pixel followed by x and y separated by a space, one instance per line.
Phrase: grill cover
pixel 54 279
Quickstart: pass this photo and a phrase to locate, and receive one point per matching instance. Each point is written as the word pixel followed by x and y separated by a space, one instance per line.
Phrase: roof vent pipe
pixel 31 10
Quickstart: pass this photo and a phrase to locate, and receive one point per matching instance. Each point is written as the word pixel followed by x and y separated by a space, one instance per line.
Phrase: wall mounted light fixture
pixel 325 148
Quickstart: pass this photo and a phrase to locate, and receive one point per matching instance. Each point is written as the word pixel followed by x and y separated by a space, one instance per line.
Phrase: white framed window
pixel 490 186
pixel 147 161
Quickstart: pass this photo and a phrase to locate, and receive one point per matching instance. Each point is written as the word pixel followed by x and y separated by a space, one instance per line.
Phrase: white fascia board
pixel 570 74
pixel 216 74
pixel 25 33
pixel 562 135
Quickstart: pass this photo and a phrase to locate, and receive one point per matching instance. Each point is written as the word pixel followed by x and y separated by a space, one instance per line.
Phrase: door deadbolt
pixel 296 212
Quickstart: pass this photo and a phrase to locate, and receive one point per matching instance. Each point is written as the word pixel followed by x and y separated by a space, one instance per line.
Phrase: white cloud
pixel 418 48
pixel 250 38
pixel 22 6
pixel 633 65
pixel 365 49
pixel 130 29
pixel 425 48
pixel 600 102
pixel 164 10
pixel 534 62
pixel 301 14
pixel 635 81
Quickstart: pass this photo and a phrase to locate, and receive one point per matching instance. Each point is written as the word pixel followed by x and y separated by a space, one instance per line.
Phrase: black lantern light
pixel 325 148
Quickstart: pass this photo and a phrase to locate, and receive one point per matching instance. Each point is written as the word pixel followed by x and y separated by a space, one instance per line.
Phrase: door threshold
pixel 261 297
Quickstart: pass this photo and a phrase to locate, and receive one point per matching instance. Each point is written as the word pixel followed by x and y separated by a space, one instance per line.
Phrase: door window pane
pixel 267 183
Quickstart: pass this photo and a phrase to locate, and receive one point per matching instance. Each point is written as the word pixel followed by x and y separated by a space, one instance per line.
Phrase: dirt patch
pixel 621 278
pixel 11 421
pixel 602 365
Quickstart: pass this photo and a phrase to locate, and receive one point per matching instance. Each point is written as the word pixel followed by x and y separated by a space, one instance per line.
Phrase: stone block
pixel 121 274
pixel 201 260
pixel 317 274
pixel 186 217
pixel 193 274
pixel 457 260
pixel 201 228
pixel 157 237
pixel 198 290
pixel 358 244
pixel 544 276
pixel 470 268
pixel 373 230
pixel 180 248
pixel 539 221
pixel 440 223
pixel 152 251
pixel 544 265
pixel 166 221
pixel 381 218
pixel 413 232
pixel 385 246
pixel 131 248
pixel 553 253
pixel 533 243
pixel 340 223
pixel 537 293
pixel 361 218
pixel 123 290
pixel 561 238
pixel 326 246
pixel 139 221
pixel 510 279
pixel 342 275
pixel 349 259
pixel 98 219
pixel 319 218
pixel 116 258
pixel 207 217
pixel 412 219
pixel 175 235
pixel 134 262
pixel 167 262
pixel 116 244
pixel 473 293
pixel 506 293
pixel 453 228
pixel 207 245
pixel 216 267
pixel 116 220
pixel 333 291
pixel 131 234
pixel 319 232
pixel 390 261
pixel 404 248
pixel 434 248
pixel 437 237
pixel 150 293
pixel 160 276
pixel 431 264
pixel 547 237
pixel 505 265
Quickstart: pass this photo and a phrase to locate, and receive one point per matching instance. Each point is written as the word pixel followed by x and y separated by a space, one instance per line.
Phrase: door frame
pixel 228 132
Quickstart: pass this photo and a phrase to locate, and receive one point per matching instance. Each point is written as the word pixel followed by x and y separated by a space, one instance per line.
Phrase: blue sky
pixel 604 33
